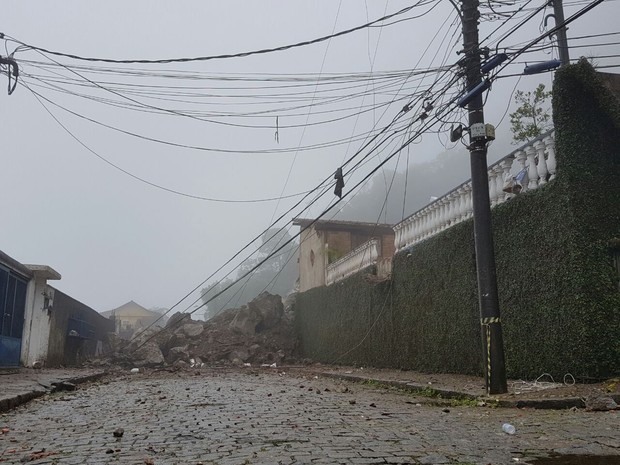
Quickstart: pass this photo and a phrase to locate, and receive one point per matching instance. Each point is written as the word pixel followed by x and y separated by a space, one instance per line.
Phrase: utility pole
pixel 493 343
pixel 558 14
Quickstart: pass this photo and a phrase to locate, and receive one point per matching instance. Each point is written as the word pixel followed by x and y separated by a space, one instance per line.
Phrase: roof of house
pixel 131 308
pixel 12 263
pixel 43 271
pixel 339 225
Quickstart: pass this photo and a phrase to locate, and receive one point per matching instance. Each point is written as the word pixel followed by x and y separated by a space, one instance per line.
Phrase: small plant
pixel 533 116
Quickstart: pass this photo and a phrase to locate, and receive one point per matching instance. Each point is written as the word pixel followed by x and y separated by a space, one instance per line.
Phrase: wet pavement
pixel 18 386
pixel 543 392
pixel 251 416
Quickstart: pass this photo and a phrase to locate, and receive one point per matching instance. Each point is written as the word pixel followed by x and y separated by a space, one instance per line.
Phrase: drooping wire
pixel 220 56
pixel 147 182
pixel 429 122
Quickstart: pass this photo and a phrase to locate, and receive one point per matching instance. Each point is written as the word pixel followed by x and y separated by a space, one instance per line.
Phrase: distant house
pixel 132 317
pixel 332 250
pixel 40 325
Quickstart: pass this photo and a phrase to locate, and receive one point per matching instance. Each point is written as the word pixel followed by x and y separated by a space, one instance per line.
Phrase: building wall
pixel 312 260
pixel 77 332
pixel 387 246
pixel 557 285
pixel 14 280
pixel 37 323
pixel 339 243
pixel 320 248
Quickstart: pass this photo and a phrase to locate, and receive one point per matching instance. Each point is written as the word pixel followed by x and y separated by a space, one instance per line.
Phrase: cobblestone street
pixel 254 416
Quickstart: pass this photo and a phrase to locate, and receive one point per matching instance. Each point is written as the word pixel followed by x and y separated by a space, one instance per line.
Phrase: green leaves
pixel 533 116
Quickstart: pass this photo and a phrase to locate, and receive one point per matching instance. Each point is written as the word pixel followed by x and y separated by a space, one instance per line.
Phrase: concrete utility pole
pixel 493 344
pixel 558 13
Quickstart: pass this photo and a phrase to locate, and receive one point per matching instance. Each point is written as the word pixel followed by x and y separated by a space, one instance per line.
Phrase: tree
pixel 533 116
pixel 277 275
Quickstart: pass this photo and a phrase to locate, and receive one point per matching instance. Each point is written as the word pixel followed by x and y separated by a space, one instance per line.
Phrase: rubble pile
pixel 260 332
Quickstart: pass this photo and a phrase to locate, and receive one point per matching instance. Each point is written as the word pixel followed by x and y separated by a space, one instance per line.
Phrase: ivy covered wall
pixel 558 290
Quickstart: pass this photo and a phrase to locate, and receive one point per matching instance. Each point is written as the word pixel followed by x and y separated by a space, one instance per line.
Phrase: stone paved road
pixel 265 417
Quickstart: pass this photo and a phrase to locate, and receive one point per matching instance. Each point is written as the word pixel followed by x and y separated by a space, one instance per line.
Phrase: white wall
pixel 311 275
pixel 36 323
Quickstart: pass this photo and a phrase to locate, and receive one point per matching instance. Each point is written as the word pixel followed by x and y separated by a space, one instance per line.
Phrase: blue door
pixel 12 308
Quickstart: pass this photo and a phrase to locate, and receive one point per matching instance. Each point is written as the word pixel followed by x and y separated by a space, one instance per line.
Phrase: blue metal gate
pixel 12 308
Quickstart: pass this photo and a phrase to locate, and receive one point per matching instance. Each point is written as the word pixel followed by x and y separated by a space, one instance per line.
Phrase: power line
pixel 221 56
pixel 273 223
pixel 198 147
pixel 364 179
pixel 569 20
pixel 152 184
pixel 327 180
pixel 116 104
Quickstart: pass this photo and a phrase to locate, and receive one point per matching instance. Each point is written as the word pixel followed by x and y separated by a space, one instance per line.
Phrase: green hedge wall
pixel 558 290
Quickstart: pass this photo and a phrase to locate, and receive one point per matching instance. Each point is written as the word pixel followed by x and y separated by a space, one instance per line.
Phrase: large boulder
pixel 175 320
pixel 245 321
pixel 239 354
pixel 177 353
pixel 192 329
pixel 148 354
pixel 270 309
pixel 262 313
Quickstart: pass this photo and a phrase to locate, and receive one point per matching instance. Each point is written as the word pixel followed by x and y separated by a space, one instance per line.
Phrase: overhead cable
pixel 226 55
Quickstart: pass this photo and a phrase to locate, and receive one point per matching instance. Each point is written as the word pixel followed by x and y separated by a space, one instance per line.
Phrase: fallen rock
pixel 257 333
pixel 239 355
pixel 245 321
pixel 58 386
pixel 148 354
pixel 269 308
pixel 600 403
pixel 174 320
pixel 177 353
pixel 118 432
pixel 192 329
pixel 180 364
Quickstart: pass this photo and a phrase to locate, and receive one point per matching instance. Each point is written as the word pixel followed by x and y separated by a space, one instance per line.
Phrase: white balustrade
pixel 551 163
pixel 356 260
pixel 536 157
pixel 532 172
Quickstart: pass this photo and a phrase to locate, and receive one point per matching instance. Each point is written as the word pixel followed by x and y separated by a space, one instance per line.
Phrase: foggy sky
pixel 114 239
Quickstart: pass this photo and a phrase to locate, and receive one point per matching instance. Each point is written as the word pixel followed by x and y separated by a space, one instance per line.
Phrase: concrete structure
pixel 25 302
pixel 132 317
pixel 33 327
pixel 77 332
pixel 535 160
pixel 325 242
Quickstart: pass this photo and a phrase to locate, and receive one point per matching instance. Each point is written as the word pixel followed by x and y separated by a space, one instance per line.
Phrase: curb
pixel 434 392
pixel 9 403
pixel 407 386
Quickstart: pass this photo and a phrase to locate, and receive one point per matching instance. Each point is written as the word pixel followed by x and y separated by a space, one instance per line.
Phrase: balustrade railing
pixel 536 158
pixel 356 260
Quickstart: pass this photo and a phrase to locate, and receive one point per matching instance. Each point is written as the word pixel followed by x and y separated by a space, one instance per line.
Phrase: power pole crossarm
pixel 493 345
